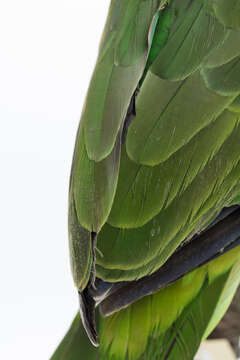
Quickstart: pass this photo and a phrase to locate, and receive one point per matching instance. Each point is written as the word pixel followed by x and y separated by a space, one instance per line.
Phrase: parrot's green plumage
pixel 157 158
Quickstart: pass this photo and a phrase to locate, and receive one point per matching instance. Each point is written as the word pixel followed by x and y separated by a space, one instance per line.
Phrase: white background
pixel 47 53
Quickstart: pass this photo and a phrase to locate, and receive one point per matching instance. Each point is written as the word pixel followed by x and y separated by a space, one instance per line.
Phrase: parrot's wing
pixel 156 158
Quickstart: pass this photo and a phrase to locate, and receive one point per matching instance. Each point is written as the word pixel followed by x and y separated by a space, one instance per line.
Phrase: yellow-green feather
pixel 168 305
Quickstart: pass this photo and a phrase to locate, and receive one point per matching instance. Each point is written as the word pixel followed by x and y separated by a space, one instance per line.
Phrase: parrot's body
pixel 157 158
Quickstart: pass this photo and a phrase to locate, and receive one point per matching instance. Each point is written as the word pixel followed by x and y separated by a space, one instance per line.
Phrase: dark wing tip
pixel 87 312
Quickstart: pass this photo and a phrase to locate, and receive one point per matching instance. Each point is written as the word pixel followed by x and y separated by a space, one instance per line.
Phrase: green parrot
pixel 154 215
